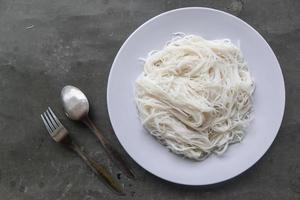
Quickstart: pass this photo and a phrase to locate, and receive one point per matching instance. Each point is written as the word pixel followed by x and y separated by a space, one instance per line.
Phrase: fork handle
pixel 113 154
pixel 98 169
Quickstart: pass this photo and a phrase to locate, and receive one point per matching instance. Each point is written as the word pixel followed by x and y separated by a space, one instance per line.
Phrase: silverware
pixel 60 134
pixel 76 107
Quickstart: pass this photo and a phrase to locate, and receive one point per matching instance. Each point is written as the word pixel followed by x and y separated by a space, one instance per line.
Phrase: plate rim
pixel 196 8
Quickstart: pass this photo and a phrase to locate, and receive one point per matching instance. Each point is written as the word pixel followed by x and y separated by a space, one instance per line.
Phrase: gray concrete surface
pixel 45 44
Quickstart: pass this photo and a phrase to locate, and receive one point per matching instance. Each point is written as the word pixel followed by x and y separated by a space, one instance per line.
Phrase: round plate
pixel 269 96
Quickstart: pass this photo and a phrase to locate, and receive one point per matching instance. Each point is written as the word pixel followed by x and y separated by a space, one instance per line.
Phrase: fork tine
pixel 51 119
pixel 54 117
pixel 46 124
pixel 49 122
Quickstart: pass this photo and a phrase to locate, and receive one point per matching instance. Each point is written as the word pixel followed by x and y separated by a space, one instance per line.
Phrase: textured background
pixel 45 44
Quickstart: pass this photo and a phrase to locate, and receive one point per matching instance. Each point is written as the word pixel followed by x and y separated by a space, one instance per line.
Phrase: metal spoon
pixel 76 106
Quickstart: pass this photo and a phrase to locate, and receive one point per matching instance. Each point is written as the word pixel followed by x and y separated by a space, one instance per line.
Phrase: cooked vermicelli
pixel 194 95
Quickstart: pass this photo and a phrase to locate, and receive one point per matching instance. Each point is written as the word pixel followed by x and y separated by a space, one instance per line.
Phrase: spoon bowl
pixel 75 103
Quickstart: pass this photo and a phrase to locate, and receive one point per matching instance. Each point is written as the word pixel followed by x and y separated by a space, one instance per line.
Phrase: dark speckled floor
pixel 47 44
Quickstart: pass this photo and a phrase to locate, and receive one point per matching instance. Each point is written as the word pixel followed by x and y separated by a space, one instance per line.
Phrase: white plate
pixel 269 97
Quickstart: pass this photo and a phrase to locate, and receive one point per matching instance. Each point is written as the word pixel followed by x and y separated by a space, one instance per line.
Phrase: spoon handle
pixel 113 154
pixel 96 167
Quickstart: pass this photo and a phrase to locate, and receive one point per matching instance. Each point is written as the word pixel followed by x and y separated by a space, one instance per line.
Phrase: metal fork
pixel 60 134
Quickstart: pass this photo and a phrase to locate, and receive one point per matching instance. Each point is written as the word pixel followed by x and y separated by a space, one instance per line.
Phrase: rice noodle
pixel 194 95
